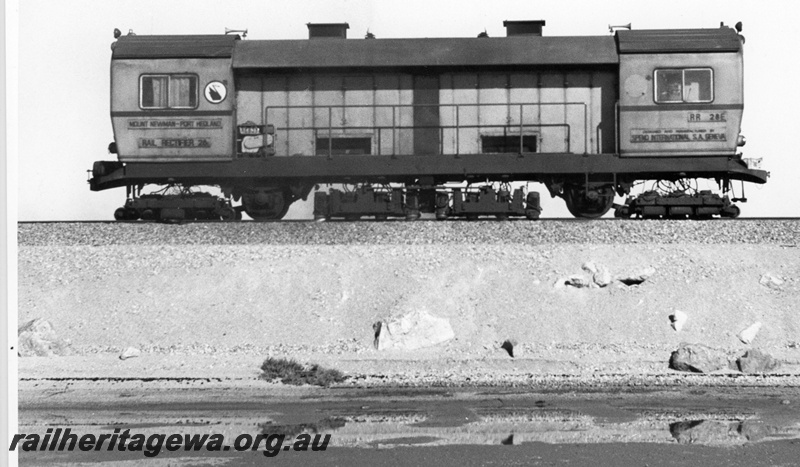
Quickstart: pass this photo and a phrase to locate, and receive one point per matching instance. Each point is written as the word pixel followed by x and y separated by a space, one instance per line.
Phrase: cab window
pixel 168 91
pixel 688 85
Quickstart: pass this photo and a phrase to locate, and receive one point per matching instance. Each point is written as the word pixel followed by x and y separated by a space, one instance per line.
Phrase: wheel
pixel 264 205
pixel 589 205
pixel 412 215
pixel 731 211
pixel 532 214
pixel 227 214
pixel 120 214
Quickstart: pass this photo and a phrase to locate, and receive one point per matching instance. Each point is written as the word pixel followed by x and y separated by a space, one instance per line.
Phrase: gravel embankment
pixel 740 231
pixel 215 299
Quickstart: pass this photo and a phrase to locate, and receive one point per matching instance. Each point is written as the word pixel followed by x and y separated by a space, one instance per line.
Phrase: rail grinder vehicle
pixel 456 127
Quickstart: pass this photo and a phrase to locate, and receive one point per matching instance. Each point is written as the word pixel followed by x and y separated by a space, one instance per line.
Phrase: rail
pixel 406 122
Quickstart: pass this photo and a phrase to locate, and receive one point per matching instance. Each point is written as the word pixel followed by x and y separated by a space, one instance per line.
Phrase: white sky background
pixel 64 60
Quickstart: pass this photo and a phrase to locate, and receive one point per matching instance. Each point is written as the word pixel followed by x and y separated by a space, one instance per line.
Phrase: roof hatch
pixel 327 30
pixel 524 28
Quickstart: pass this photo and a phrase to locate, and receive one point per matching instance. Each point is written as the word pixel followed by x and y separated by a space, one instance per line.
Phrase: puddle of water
pixel 514 426
pixel 326 425
pixel 453 423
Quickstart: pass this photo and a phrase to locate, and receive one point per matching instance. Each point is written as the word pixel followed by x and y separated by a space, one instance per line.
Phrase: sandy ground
pixel 216 311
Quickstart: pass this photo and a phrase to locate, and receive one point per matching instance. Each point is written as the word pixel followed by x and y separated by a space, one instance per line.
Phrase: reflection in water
pixel 488 422
pixel 407 441
pixel 721 432
pixel 326 425
pixel 520 425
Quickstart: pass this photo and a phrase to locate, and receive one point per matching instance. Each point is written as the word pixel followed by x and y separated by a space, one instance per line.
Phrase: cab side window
pixel 168 91
pixel 688 85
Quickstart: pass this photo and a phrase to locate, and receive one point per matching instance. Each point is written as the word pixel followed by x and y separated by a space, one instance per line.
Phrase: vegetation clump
pixel 291 372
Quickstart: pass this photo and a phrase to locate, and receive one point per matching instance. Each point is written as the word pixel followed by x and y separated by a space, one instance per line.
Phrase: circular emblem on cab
pixel 215 92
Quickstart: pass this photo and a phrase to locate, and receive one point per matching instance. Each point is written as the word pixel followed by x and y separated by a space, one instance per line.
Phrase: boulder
pixel 36 338
pixel 678 319
pixel 589 267
pixel 771 281
pixel 603 278
pixel 130 352
pixel 600 274
pixel 413 330
pixel 756 361
pixel 747 335
pixel 636 277
pixel 577 280
pixel 698 358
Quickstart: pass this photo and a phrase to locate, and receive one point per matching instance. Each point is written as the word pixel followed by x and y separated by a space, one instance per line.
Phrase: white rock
pixel 645 273
pixel 678 319
pixel 747 335
pixel 37 338
pixel 130 352
pixel 602 277
pixel 578 280
pixel 770 280
pixel 637 277
pixel 413 330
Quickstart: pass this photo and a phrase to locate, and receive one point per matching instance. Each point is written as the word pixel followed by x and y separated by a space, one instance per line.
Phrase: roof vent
pixel 524 28
pixel 327 30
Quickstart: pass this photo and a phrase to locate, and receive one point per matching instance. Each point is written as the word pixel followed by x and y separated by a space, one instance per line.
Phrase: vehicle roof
pixel 427 52
pixel 208 46
pixel 722 39
pixel 430 52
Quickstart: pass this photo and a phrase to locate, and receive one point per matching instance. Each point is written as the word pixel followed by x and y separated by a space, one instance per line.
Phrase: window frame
pixel 511 137
pixel 683 86
pixel 360 139
pixel 169 77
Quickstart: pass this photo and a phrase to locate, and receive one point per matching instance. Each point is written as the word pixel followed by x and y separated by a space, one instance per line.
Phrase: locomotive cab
pixel 172 99
pixel 681 92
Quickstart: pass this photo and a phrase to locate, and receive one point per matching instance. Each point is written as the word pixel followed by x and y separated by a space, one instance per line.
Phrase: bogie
pixel 178 206
pixel 679 204
pixel 384 203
